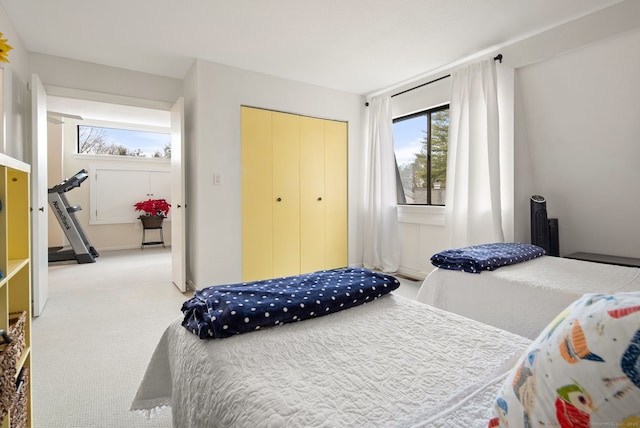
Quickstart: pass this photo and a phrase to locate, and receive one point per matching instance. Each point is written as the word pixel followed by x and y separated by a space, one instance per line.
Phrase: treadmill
pixel 81 249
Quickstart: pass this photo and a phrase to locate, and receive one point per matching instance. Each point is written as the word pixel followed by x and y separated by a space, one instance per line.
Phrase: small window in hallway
pixel 96 140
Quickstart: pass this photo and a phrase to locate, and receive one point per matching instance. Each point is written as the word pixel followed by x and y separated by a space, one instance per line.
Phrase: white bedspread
pixel 523 298
pixel 390 363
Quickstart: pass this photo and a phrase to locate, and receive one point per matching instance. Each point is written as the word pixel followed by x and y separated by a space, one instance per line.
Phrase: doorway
pixel 63 115
pixel 67 118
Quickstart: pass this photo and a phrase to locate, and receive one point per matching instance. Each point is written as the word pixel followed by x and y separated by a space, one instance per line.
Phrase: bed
pixel 390 362
pixel 523 297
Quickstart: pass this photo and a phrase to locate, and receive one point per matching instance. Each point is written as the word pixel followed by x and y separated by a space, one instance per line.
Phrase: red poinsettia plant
pixel 157 207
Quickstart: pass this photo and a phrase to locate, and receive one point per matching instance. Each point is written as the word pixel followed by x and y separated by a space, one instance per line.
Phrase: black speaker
pixel 554 244
pixel 539 222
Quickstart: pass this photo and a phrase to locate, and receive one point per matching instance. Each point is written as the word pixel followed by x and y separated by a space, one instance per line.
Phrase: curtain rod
pixel 495 58
pixel 420 86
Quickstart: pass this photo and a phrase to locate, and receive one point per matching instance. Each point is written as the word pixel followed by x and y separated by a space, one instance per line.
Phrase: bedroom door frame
pixel 41 250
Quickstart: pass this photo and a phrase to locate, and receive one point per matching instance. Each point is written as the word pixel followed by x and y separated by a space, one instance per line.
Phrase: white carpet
pixel 97 332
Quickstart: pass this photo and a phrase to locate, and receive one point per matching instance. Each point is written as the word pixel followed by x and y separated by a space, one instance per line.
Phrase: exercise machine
pixel 81 249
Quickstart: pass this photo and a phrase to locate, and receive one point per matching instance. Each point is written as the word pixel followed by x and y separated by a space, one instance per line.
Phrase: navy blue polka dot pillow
pixel 477 258
pixel 225 310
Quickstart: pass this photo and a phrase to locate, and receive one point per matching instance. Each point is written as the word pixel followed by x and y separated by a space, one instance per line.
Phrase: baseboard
pixel 411 274
pixel 406 273
pixel 126 247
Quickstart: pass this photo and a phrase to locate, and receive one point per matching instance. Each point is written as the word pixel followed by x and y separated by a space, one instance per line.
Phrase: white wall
pixel 578 144
pixel 15 98
pixel 213 96
pixel 68 73
pixel 55 175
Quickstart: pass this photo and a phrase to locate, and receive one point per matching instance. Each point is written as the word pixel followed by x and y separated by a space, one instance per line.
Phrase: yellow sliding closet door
pixel 294 194
pixel 286 195
pixel 335 178
pixel 312 197
pixel 257 190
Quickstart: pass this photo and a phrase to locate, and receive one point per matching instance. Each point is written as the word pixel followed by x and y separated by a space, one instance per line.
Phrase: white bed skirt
pixel 523 298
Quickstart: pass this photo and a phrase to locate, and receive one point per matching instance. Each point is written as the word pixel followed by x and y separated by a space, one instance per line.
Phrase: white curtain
pixel 381 242
pixel 473 204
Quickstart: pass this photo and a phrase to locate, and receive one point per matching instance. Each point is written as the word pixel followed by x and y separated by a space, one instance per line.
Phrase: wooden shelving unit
pixel 15 284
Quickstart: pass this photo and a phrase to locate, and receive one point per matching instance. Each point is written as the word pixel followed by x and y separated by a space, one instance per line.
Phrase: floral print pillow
pixel 582 371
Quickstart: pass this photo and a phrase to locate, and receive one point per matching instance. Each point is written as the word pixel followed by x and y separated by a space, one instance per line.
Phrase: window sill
pixel 418 214
pixel 119 158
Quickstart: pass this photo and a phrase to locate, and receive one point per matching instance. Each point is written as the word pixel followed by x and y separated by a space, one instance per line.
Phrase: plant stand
pixel 151 223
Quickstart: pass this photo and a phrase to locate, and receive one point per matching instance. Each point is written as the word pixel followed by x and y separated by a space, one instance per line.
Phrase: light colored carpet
pixel 98 330
pixel 408 287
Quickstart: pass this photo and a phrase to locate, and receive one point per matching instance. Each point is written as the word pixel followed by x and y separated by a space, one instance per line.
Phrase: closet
pixel 294 194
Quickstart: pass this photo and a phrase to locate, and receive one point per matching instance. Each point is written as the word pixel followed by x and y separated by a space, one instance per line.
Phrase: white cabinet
pixel 114 191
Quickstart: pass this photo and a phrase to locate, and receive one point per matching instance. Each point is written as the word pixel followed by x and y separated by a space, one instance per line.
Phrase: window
pixel 96 140
pixel 420 144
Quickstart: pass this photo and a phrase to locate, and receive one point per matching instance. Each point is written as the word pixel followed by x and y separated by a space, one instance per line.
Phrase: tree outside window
pixel 420 143
pixel 123 142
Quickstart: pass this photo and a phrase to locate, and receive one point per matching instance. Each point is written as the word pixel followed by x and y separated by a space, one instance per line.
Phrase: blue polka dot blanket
pixel 226 310
pixel 477 258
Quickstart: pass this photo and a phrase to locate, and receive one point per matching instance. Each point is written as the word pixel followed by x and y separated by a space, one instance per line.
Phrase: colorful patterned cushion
pixel 582 371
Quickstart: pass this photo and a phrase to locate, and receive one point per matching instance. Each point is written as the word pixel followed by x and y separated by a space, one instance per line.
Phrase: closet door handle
pixel 279 199
pixel 319 198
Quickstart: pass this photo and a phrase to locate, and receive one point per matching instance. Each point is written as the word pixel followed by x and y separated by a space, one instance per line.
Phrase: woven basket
pixel 17 322
pixel 9 356
pixel 19 405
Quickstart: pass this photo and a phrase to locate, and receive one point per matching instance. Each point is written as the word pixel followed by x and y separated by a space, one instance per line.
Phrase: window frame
pixel 425 112
pixel 117 126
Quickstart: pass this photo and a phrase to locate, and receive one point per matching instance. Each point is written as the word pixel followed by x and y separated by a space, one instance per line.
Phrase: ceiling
pixel 357 46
